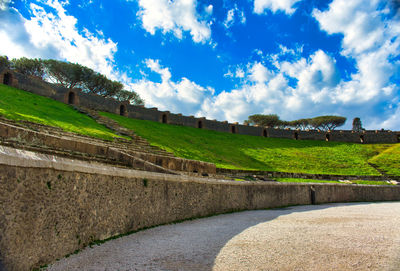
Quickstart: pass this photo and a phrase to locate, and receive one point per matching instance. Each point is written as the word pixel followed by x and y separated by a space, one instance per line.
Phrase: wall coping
pixel 28 159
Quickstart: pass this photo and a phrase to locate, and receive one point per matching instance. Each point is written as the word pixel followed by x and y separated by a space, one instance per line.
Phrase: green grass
pixel 389 160
pixel 18 105
pixel 298 180
pixel 257 153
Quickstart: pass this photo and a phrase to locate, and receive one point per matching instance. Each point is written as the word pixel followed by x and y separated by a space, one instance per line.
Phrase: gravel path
pixel 362 236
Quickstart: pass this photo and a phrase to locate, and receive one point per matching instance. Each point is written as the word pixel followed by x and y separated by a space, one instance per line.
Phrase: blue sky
pixel 225 59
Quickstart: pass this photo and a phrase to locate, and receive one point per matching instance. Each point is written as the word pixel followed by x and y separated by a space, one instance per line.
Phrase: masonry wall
pixel 136 160
pixel 53 206
pixel 96 102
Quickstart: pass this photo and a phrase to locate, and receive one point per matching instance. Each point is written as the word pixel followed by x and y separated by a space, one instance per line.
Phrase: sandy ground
pixel 361 236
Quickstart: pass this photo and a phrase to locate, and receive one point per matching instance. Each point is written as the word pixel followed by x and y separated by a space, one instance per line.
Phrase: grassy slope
pixel 257 153
pixel 294 180
pixel 16 104
pixel 389 160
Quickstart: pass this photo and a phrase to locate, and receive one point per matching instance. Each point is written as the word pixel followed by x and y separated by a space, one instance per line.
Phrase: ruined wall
pixel 96 102
pixel 53 206
pixel 136 160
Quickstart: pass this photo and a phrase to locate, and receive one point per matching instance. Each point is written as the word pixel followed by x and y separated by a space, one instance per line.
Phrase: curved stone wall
pixel 53 206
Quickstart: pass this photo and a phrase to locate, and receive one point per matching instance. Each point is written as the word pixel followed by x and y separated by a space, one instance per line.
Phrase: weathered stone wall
pixel 136 160
pixel 153 114
pixel 52 206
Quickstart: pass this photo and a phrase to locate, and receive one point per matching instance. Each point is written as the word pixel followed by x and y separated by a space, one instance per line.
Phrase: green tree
pixel 95 83
pixel 129 96
pixel 68 75
pixel 4 62
pixel 302 124
pixel 27 66
pixel 271 120
pixel 327 122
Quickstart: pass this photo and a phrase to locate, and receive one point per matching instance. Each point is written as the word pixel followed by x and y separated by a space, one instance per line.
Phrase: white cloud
pixel 239 73
pixel 392 122
pixel 275 5
pixel 259 73
pixel 232 15
pixel 4 4
pixel 229 18
pixel 174 16
pixel 209 9
pixel 370 37
pixel 359 21
pixel 183 96
pixel 54 35
pixel 266 91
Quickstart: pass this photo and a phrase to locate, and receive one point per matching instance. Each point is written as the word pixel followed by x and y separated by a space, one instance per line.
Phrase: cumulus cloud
pixel 54 35
pixel 176 17
pixel 370 37
pixel 183 96
pixel 264 90
pixel 268 91
pixel 286 6
pixel 392 122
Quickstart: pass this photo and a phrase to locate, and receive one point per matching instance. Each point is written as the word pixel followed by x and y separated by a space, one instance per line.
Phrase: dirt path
pixel 363 236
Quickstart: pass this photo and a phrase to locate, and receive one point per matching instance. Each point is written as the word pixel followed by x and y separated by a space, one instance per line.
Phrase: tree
pixel 327 122
pixel 302 124
pixel 94 83
pixel 67 74
pixel 129 96
pixel 271 120
pixel 357 125
pixel 4 62
pixel 27 66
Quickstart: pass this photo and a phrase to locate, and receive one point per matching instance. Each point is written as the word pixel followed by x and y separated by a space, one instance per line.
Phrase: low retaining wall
pixel 277 174
pixel 136 160
pixel 53 206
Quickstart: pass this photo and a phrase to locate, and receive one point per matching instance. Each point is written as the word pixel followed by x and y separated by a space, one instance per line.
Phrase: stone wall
pixel 136 160
pixel 53 206
pixel 96 102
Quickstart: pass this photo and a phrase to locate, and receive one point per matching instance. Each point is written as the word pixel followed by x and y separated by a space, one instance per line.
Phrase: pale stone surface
pixel 361 236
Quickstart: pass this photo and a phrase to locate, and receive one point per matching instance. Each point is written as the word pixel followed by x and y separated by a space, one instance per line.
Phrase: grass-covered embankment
pixel 388 160
pixel 298 180
pixel 257 153
pixel 17 105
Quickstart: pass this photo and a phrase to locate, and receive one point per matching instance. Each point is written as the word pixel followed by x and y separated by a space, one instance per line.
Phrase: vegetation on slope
pixel 296 180
pixel 389 160
pixel 17 104
pixel 256 153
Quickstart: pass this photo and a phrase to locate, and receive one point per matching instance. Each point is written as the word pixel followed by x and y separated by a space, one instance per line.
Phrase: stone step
pixel 140 143
pixel 62 153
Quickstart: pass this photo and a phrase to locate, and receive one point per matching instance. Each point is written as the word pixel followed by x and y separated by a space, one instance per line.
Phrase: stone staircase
pixel 136 144
pixel 54 141
pixel 136 153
